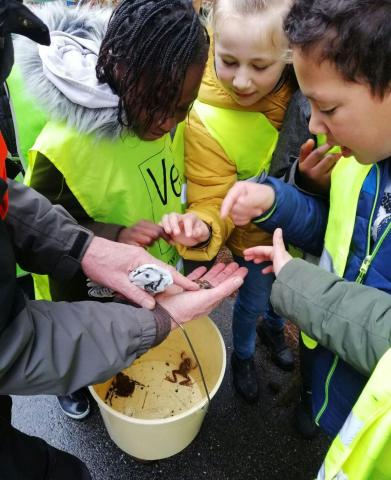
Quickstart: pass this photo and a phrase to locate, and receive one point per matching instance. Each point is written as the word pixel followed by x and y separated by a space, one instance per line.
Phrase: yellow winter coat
pixel 210 173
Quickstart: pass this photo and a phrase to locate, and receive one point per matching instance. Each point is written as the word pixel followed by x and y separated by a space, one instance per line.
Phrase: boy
pixel 341 56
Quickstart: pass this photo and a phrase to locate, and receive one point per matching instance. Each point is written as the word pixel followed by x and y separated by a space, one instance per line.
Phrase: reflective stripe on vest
pixel 117 181
pixel 362 448
pixel 248 138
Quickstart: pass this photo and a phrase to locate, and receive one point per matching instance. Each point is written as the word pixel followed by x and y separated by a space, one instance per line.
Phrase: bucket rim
pixel 160 421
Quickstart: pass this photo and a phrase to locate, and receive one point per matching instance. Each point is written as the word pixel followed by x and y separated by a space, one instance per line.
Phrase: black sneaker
pixel 303 421
pixel 76 405
pixel 244 378
pixel 281 354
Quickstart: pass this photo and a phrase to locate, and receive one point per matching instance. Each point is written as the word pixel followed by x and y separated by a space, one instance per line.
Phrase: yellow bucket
pixel 165 414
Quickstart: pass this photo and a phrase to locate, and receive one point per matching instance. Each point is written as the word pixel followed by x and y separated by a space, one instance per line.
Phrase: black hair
pixel 355 35
pixel 145 54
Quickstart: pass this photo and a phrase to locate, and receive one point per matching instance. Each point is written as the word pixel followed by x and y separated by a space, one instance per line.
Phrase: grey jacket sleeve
pixel 352 320
pixel 45 237
pixel 58 347
pixel 294 132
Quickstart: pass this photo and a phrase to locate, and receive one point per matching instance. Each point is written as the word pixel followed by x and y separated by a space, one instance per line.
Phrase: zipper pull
pixel 364 267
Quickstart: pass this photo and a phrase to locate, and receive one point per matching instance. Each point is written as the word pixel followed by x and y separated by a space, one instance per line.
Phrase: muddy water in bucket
pixel 163 402
pixel 156 389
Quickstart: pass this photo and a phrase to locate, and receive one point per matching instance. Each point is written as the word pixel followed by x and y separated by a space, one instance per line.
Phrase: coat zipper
pixel 365 264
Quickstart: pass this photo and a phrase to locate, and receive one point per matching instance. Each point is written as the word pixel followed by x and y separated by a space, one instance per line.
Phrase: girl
pixel 232 133
pixel 113 89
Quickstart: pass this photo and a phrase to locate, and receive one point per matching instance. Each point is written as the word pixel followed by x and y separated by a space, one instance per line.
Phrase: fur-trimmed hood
pixel 89 25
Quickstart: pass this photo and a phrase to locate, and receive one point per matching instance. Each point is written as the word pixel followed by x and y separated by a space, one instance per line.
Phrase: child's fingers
pixel 325 165
pixel 260 253
pixel 268 269
pixel 278 241
pixel 164 222
pixel 306 149
pixel 173 220
pixel 333 161
pixel 315 156
pixel 188 224
pixel 231 199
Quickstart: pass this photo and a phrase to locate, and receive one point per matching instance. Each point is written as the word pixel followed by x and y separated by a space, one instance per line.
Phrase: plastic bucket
pixel 174 425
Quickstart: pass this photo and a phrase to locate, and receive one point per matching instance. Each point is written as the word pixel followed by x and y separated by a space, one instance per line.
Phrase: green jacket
pixel 351 320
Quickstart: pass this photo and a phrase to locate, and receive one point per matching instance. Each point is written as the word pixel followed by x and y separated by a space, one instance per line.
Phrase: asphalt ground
pixel 237 441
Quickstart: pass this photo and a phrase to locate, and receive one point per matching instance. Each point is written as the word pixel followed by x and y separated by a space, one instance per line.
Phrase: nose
pixel 316 124
pixel 168 124
pixel 241 80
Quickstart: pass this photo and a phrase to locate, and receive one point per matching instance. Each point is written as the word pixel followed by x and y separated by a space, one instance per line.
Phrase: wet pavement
pixel 236 442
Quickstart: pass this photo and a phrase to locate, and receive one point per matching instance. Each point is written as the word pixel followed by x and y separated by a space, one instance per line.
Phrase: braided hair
pixel 145 54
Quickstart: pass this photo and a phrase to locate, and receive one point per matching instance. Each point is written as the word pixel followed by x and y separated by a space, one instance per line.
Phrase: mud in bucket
pixel 165 410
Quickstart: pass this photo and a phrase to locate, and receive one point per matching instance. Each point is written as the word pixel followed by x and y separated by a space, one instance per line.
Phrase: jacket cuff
pixel 70 263
pixel 268 213
pixel 163 323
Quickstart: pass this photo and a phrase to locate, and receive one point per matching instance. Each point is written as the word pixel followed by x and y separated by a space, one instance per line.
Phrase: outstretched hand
pixel 142 234
pixel 247 200
pixel 109 263
pixel 277 254
pixel 186 306
pixel 187 229
pixel 315 167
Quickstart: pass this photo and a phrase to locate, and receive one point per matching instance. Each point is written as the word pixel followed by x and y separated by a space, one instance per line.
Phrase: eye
pixel 229 63
pixel 330 111
pixel 259 68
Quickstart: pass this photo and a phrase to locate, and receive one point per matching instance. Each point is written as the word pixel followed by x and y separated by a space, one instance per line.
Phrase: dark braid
pixel 145 54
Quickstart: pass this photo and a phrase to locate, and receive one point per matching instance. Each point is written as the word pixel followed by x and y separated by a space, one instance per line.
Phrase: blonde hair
pixel 273 13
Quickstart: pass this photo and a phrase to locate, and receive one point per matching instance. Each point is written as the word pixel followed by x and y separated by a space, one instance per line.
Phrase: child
pixel 341 56
pixel 353 321
pixel 232 132
pixel 113 92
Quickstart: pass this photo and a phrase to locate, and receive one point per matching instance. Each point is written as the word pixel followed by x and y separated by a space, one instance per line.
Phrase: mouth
pixel 346 152
pixel 243 95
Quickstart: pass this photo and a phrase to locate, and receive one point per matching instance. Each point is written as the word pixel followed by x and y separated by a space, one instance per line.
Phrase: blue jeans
pixel 252 301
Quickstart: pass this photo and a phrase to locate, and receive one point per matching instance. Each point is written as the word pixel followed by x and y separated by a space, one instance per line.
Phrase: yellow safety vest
pixel 117 181
pixel 248 138
pixel 362 448
pixel 347 178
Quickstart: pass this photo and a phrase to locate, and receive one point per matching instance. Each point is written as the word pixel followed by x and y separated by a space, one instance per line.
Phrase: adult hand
pixel 109 263
pixel 143 234
pixel 247 200
pixel 315 167
pixel 277 254
pixel 187 229
pixel 185 306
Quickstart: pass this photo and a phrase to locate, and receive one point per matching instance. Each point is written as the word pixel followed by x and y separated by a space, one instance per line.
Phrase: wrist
pixel 205 242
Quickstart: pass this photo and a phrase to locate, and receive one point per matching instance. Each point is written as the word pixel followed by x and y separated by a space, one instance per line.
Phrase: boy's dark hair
pixel 355 35
pixel 145 54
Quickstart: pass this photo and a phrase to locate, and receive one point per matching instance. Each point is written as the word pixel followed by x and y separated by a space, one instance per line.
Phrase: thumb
pixel 278 243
